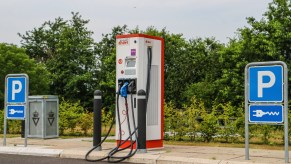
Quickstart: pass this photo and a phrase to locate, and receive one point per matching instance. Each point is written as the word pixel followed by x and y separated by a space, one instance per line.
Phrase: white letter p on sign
pixel 14 90
pixel 261 84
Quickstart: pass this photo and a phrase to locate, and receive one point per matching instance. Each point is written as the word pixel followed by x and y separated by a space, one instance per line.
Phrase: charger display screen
pixel 130 63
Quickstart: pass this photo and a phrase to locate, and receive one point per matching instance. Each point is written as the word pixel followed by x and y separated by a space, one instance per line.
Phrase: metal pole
pixel 247 154
pixel 286 113
pixel 26 126
pixel 141 123
pixel 5 126
pixel 5 113
pixel 26 110
pixel 97 104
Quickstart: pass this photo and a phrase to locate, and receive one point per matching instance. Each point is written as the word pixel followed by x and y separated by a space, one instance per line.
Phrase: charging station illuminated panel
pixel 132 60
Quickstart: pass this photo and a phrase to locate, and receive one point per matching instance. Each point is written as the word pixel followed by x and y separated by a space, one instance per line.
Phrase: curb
pixel 150 157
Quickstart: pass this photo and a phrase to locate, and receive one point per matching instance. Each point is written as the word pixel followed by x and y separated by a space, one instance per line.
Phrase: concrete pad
pixel 237 162
pixel 81 152
pixel 137 158
pixel 31 151
pixel 183 160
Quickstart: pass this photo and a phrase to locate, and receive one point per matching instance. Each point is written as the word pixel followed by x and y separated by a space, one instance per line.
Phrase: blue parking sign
pixel 16 89
pixel 16 95
pixel 266 98
pixel 265 83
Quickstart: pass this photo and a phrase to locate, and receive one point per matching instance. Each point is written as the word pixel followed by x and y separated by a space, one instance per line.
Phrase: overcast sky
pixel 192 18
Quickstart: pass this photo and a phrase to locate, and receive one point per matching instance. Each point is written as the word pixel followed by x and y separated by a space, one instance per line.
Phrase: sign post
pixel 16 101
pixel 266 98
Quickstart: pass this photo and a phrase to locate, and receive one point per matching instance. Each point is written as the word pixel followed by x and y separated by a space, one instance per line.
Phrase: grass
pixel 10 135
pixel 253 145
pixel 78 133
pixel 213 144
pixel 275 141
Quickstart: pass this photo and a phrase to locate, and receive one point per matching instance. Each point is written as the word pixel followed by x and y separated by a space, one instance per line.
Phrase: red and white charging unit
pixel 132 64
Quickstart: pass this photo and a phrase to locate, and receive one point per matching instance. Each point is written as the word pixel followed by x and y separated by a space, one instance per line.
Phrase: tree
pixel 229 87
pixel 15 60
pixel 269 38
pixel 67 50
pixel 202 69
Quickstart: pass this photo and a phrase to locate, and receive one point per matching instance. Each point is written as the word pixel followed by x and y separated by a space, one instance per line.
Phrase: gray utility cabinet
pixel 43 116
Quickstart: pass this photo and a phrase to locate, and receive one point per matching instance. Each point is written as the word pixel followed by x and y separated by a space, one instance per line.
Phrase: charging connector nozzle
pixel 123 90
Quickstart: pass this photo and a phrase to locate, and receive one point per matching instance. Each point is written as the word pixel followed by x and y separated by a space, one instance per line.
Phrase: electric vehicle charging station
pixel 140 66
pixel 139 113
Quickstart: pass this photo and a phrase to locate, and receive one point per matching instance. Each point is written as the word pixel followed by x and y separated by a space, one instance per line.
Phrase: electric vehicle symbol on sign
pixel 266 113
pixel 260 113
pixel 15 111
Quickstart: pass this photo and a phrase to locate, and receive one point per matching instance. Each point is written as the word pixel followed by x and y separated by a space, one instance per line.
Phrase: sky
pixel 192 18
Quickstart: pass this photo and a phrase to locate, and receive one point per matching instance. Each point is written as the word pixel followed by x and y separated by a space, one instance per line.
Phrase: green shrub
pixel 192 113
pixel 70 114
pixel 228 118
pixel 209 125
pixel 13 126
pixel 171 115
pixel 181 127
pixel 106 118
pixel 86 122
pixel 1 121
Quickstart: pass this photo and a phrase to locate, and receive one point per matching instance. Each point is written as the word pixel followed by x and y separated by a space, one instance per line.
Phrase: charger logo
pixel 148 42
pixel 123 42
pixel 119 61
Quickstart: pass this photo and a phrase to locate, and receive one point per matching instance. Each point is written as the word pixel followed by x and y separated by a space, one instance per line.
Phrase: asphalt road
pixel 24 159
